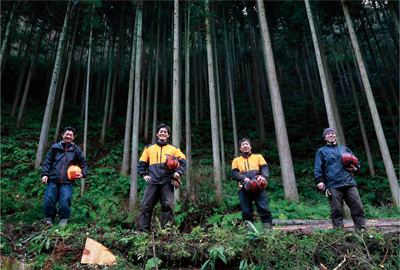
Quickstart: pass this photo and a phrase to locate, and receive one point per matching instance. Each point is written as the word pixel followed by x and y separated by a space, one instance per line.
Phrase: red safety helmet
pixel 171 163
pixel 73 171
pixel 255 186
pixel 349 159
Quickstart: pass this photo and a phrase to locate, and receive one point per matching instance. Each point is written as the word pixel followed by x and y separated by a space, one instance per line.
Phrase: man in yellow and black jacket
pixel 151 168
pixel 245 168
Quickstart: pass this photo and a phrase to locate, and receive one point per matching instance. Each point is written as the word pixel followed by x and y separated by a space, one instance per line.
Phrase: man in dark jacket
pixel 151 168
pixel 245 168
pixel 338 181
pixel 61 156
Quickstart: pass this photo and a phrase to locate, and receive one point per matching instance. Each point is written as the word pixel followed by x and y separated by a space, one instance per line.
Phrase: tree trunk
pixel 218 89
pixel 6 36
pixel 116 71
pixel 395 36
pixel 30 75
pixel 128 122
pixel 87 98
pixel 148 97
pixel 133 194
pixel 213 115
pixel 321 69
pixel 79 67
pixel 257 87
pixel 153 136
pixel 383 57
pixel 360 120
pixel 338 72
pixel 187 106
pixel 382 90
pixel 315 110
pixel 176 86
pixel 64 90
pixel 196 78
pixel 50 101
pixel 22 71
pixel 164 68
pixel 107 99
pixel 285 157
pixel 391 175
pixel 232 100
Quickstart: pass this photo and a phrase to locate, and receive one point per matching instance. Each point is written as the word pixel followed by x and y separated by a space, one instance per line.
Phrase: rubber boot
pixel 267 226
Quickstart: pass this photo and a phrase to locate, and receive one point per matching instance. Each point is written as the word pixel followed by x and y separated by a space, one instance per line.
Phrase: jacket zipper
pixel 160 161
pixel 62 172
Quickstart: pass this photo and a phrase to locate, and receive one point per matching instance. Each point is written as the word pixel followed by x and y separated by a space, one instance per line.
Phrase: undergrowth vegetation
pixel 228 246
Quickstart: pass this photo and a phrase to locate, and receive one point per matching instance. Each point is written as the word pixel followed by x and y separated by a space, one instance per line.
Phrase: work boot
pixel 267 226
pixel 49 221
pixel 63 222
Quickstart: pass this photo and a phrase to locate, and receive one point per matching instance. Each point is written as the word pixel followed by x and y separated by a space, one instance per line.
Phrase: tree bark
pixel 213 115
pixel 285 157
pixel 176 86
pixel 79 67
pixel 116 71
pixel 232 100
pixel 61 107
pixel 393 181
pixel 87 97
pixel 22 71
pixel 50 101
pixel 321 69
pixel 257 96
pixel 7 35
pixel 187 106
pixel 315 110
pixel 30 75
pixel 153 136
pixel 133 194
pixel 107 98
pixel 128 122
pixel 148 97
pixel 360 120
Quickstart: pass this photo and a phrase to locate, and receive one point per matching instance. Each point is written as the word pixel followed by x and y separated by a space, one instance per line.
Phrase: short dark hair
pixel 244 140
pixel 162 125
pixel 70 129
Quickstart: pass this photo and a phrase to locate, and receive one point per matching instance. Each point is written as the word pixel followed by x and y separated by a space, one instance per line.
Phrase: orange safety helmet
pixel 349 159
pixel 255 186
pixel 171 163
pixel 73 171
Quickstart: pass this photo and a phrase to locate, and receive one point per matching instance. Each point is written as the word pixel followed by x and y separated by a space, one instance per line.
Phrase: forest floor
pixel 55 249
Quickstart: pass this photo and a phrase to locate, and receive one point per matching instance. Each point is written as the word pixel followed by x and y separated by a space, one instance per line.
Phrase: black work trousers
pixel 152 194
pixel 352 198
pixel 261 201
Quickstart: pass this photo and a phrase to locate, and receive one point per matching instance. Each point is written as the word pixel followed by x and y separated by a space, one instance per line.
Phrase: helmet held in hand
pixel 348 159
pixel 171 163
pixel 73 172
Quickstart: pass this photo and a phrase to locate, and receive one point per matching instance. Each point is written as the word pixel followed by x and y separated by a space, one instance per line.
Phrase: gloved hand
pixel 326 191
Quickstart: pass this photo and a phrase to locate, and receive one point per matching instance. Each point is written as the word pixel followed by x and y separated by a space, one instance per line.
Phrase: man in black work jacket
pixel 151 168
pixel 338 181
pixel 61 156
pixel 245 168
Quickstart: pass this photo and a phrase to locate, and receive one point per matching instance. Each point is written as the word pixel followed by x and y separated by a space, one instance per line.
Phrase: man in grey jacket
pixel 337 181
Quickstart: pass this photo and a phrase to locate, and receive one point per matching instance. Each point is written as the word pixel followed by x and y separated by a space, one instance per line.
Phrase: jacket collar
pixel 331 145
pixel 63 144
pixel 161 144
pixel 247 156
